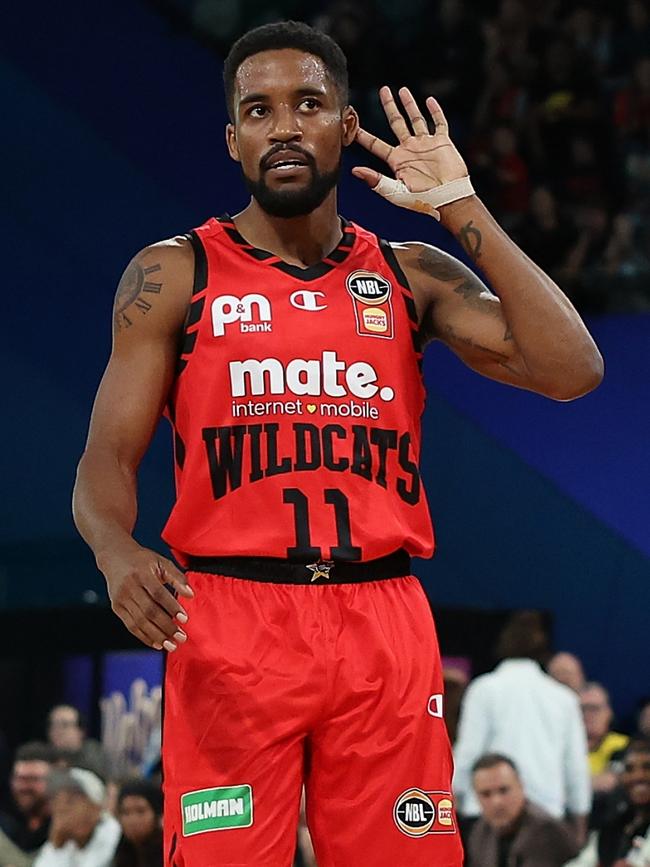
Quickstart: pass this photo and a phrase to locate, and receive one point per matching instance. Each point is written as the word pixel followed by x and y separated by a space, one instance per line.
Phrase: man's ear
pixel 231 142
pixel 350 124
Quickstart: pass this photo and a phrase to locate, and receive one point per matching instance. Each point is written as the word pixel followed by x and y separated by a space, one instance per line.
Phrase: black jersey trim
pixel 197 304
pixel 407 297
pixel 200 262
pixel 313 272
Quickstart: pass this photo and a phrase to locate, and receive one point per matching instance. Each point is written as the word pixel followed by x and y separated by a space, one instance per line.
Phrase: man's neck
pixel 301 241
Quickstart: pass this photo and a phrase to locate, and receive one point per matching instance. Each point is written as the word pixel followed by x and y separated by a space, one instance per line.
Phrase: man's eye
pixel 258 111
pixel 310 103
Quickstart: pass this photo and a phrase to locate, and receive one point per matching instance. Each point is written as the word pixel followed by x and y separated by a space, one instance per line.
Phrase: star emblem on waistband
pixel 320 570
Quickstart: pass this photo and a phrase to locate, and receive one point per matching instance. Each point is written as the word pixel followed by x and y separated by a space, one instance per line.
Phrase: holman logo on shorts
pixel 217 809
pixel 418 813
pixel 227 309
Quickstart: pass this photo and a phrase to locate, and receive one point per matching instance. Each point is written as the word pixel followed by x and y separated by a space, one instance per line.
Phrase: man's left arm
pixel 530 335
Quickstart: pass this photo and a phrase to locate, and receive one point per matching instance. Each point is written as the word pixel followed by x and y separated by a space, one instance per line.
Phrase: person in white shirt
pixel 520 711
pixel 82 833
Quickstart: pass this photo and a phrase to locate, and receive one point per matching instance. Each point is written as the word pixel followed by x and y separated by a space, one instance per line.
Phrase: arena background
pixel 113 138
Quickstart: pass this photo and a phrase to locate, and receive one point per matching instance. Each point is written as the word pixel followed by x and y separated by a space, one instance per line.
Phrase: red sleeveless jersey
pixel 296 410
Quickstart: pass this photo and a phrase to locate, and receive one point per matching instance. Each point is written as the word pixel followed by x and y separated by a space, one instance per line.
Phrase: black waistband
pixel 276 571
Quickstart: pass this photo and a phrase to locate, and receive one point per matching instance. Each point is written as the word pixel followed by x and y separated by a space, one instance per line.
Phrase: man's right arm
pixel 150 307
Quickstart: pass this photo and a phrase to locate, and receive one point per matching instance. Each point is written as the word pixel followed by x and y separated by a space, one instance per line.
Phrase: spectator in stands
pixel 567 669
pixel 520 711
pixel 455 682
pixel 513 832
pixel 643 718
pixel 82 833
pixel 604 745
pixel 66 730
pixel 26 828
pixel 139 811
pixel 624 839
pixel 546 234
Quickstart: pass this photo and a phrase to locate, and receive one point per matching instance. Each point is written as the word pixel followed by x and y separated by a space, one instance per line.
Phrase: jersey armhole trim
pixel 407 297
pixel 197 303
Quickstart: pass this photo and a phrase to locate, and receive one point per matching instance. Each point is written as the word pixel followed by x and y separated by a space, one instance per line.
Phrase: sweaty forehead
pixel 284 70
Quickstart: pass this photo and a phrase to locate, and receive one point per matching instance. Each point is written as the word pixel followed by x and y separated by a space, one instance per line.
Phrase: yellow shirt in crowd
pixel 600 758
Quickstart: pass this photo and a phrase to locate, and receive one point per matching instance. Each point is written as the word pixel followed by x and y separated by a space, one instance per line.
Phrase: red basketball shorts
pixel 334 686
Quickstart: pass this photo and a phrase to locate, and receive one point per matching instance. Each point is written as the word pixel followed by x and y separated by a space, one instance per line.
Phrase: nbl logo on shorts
pixel 417 813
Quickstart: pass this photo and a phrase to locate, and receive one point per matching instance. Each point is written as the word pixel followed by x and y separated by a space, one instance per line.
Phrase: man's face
pixel 564 667
pixel 635 778
pixel 597 715
pixel 289 130
pixel 500 795
pixel 29 786
pixel 63 729
pixel 75 816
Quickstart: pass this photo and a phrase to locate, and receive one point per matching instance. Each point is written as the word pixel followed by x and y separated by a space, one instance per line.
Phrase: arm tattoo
pixel 129 298
pixel 471 240
pixel 443 267
pixel 497 357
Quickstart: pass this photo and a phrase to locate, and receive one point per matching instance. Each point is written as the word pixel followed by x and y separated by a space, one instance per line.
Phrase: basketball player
pixel 284 344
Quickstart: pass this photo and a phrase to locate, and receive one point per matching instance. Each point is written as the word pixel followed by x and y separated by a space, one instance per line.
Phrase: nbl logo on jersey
pixel 370 293
pixel 252 313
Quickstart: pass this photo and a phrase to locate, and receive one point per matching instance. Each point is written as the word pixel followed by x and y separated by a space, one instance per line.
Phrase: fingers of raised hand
pixel 438 116
pixel 393 114
pixel 374 144
pixel 418 122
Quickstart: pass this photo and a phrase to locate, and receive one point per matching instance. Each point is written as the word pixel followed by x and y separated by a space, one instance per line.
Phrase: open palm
pixel 421 160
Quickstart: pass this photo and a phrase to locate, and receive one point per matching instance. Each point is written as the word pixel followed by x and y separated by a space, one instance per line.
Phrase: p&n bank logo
pixel 253 312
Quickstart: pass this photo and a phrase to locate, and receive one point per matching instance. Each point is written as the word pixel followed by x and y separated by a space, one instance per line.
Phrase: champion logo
pixel 303 299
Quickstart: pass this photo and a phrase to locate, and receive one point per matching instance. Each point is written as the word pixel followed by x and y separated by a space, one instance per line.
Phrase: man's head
pixel 597 712
pixel 65 728
pixel 523 637
pixel 77 797
pixel 567 669
pixel 286 88
pixel 32 764
pixel 499 791
pixel 635 775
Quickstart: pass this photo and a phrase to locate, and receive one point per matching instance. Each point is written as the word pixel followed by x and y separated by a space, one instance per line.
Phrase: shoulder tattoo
pixel 136 292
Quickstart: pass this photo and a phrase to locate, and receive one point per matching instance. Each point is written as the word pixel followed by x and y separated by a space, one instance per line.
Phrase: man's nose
pixel 286 126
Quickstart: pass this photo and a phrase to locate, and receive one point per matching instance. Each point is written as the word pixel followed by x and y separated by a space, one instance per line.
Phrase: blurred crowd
pixel 544 777
pixel 548 102
pixel 65 801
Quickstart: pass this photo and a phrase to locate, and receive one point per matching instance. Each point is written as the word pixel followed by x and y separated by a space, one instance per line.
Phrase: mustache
pixel 286 149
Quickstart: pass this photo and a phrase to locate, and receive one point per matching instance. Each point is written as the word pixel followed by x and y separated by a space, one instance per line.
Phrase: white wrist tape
pixel 428 201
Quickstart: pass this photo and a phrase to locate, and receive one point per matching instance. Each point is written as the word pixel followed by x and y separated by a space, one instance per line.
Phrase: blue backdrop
pixel 113 138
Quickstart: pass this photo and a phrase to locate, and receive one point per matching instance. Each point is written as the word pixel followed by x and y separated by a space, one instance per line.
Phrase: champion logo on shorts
pixel 217 809
pixel 417 813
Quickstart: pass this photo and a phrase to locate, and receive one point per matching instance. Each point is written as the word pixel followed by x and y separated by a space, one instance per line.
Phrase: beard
pixel 287 203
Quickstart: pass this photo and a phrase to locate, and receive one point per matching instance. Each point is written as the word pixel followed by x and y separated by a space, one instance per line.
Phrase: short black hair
pixel 142 789
pixel 286 34
pixel 36 751
pixel 637 745
pixel 492 760
pixel 523 637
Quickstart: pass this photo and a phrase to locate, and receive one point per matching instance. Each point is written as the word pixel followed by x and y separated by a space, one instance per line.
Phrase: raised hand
pixel 421 160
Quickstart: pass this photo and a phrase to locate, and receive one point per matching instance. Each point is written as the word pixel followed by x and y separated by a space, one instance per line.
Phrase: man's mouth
pixel 285 161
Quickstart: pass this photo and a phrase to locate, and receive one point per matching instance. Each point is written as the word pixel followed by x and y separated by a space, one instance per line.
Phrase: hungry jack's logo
pixel 371 293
